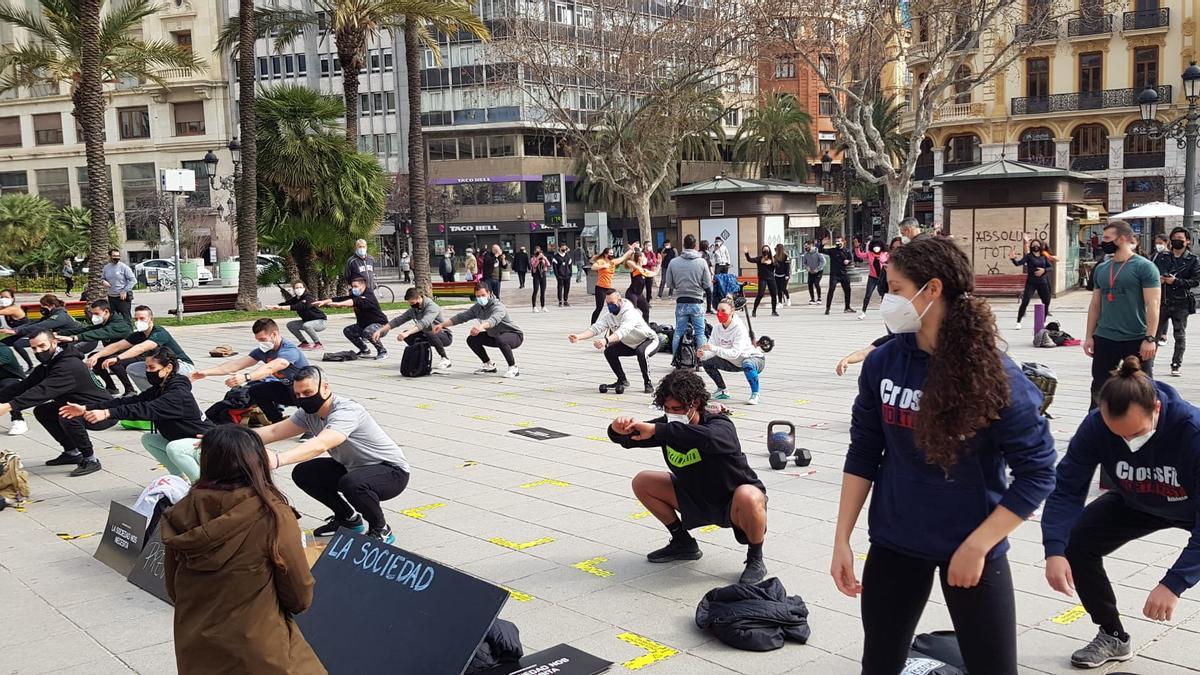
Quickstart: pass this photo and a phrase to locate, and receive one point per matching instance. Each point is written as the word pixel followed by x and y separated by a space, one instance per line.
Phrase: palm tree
pixel 247 183
pixel 70 42
pixel 776 137
pixel 24 221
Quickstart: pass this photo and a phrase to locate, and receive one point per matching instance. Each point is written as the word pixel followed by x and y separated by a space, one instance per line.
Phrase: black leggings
pixel 1042 288
pixel 505 342
pixel 616 350
pixel 637 295
pixel 117 369
pixel 539 286
pixel 600 292
pixel 781 285
pixel 326 480
pixel 766 284
pixel 873 285
pixel 814 286
pixel 895 591
pixel 836 280
pixel 563 288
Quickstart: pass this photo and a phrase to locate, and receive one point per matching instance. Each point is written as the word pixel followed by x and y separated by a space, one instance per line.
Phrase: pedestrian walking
pixel 561 262
pixel 650 263
pixel 766 277
pixel 68 274
pixel 1037 264
pixel 577 258
pixel 783 275
pixel 839 270
pixel 664 261
pixel 814 265
pixel 471 265
pixel 876 259
pixel 446 266
pixel 1179 272
pixel 521 265
pixel 710 294
pixel 539 265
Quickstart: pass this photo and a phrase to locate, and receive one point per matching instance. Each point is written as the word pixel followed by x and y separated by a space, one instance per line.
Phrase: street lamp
pixel 1184 130
pixel 226 183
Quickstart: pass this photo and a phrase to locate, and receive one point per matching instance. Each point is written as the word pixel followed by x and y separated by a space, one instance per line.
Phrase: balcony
pixel 1145 160
pixel 955 166
pixel 1084 26
pixel 1089 162
pixel 179 74
pixel 1083 100
pixel 1037 32
pixel 1146 19
pixel 954 112
pixel 189 128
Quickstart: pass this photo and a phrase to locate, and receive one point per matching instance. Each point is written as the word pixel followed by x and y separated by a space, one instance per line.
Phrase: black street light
pixel 1184 130
pixel 226 183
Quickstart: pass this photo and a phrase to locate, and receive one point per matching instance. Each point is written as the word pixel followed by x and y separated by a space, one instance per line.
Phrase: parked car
pixel 167 266
pixel 265 260
pixel 5 271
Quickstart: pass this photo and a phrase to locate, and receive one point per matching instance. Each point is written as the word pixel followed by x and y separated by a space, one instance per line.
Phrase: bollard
pixel 1039 318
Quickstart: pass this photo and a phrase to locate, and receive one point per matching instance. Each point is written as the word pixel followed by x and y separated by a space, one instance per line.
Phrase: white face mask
pixel 299 290
pixel 362 252
pixel 683 418
pixel 904 239
pixel 1137 442
pixel 97 319
pixel 1160 247
pixel 266 345
pixel 141 326
pixel 899 315
pixel 5 302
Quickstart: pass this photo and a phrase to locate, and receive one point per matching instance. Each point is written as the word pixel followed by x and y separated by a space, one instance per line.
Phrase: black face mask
pixel 44 357
pixel 116 260
pixel 1035 249
pixel 154 377
pixel 43 311
pixel 311 404
pixel 1109 247
pixel 1177 244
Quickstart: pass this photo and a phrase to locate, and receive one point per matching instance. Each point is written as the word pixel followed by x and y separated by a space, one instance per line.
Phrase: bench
pixel 208 302
pixel 751 285
pixel 453 289
pixel 76 308
pixel 1000 285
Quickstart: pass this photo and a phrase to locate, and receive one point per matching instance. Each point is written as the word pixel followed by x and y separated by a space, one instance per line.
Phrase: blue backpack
pixel 727 285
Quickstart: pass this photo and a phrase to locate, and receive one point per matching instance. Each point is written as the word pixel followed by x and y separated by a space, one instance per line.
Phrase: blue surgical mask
pixel 356 291
pixel 614 308
pixel 482 301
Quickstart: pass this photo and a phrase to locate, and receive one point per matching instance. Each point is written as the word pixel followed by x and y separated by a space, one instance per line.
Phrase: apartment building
pixel 147 129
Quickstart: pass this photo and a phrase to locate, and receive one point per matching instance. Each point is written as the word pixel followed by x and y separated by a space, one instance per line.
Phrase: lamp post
pixel 1184 130
pixel 226 183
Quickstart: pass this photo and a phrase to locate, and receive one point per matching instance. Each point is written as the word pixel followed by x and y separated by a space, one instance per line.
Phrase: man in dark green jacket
pixel 105 327
pixel 12 372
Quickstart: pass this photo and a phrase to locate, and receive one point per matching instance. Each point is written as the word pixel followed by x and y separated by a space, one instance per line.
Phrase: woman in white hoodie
pixel 730 349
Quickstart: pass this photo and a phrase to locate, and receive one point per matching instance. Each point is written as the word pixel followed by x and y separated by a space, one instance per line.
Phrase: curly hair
pixel 684 386
pixel 966 387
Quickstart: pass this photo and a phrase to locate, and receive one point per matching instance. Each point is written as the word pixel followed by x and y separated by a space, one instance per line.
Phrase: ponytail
pixel 1129 385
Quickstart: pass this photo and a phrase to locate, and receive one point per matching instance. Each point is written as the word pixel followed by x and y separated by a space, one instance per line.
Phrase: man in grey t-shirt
pixel 364 467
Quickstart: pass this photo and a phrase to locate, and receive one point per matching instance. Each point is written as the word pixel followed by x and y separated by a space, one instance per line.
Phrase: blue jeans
pixel 688 313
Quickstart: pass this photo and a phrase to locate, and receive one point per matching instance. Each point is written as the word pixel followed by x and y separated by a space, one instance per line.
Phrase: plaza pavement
pixel 474 482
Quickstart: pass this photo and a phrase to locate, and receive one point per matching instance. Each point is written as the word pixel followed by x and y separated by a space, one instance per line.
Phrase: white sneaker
pixel 862 315
pixel 789 302
pixel 18 428
pixel 535 310
pixel 753 400
pixel 545 310
pixel 1017 326
pixel 486 369
pixel 445 364
pixel 512 371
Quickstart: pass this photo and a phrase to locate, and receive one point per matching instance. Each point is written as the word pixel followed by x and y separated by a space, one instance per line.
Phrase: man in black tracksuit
pixel 710 482
pixel 61 378
pixel 107 328
pixel 840 260
pixel 1179 271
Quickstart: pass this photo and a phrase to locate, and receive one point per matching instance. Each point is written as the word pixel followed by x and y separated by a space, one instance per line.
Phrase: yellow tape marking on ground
pixel 602 439
pixel 524 424
pixel 546 481
pixel 518 595
pixel 736 414
pixel 571 404
pixel 860 556
pixel 550 389
pixel 468 463
pixel 1070 616
pixel 67 536
pixel 639 515
pixel 655 651
pixel 508 394
pixel 802 401
pixel 610 411
pixel 483 418
pixel 424 406
pixel 500 541
pixel 612 398
pixel 591 567
pixel 710 528
pixel 418 512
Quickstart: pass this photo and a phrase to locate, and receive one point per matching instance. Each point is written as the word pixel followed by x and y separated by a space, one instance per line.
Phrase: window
pixel 276 66
pixel 364 105
pixel 826 65
pixel 189 118
pixel 55 186
pixel 301 65
pixel 962 85
pixel 1037 77
pixel 922 29
pixel 263 68
pixel 47 129
pixel 826 146
pixel 388 61
pixel 202 196
pixel 429 60
pixel 1037 10
pixel 381 144
pixel 825 105
pixel 289 65
pixel 716 207
pixel 81 174
pixel 785 68
pixel 1091 67
pixel 133 122
pixel 376 62
pixel 183 39
pixel 442 149
pixel 1145 68
pixel 390 97
pixel 508 193
pixel 1036 146
pixel 1089 139
pixel 563 14
pixel 501 146
pixel 586 17
pixel 393 145
pixel 10 132
pixel 377 103
pixel 466 148
pixel 13 181
pixel 140 193
pixel 963 151
pixel 732 117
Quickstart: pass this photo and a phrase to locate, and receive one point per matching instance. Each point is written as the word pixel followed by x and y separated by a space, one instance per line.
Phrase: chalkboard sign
pixel 150 571
pixel 560 659
pixel 377 608
pixel 122 538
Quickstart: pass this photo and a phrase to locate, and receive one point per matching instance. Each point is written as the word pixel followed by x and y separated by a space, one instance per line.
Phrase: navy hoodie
pixel 915 509
pixel 1161 479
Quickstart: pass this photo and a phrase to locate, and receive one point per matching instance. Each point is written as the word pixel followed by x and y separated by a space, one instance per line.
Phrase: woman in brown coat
pixel 235 566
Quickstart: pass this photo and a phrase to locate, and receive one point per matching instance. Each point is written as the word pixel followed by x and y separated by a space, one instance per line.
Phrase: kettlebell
pixel 781 444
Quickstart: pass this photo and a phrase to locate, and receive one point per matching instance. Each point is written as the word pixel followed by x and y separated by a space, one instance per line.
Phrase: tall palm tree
pixel 71 42
pixel 247 183
pixel 776 137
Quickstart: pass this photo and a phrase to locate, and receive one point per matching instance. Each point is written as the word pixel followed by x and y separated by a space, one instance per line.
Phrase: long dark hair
pixel 233 456
pixel 966 386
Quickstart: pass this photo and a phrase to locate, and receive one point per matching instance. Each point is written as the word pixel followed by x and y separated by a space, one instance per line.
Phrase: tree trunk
pixel 897 197
pixel 247 185
pixel 642 204
pixel 89 113
pixel 351 47
pixel 416 159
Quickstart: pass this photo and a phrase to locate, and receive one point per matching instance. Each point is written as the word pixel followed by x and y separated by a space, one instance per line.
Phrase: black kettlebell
pixel 780 444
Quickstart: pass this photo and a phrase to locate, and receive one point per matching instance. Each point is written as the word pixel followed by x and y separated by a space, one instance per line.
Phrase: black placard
pixel 377 608
pixel 149 572
pixel 122 539
pixel 560 659
pixel 538 433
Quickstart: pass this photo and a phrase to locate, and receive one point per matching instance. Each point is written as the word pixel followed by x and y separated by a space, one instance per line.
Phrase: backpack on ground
pixel 665 336
pixel 1045 379
pixel 685 356
pixel 14 480
pixel 417 360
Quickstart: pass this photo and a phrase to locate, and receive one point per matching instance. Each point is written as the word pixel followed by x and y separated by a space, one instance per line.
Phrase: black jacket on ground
pixel 755 617
pixel 303 306
pixel 1186 269
pixel 66 378
pixel 170 406
pixel 502 644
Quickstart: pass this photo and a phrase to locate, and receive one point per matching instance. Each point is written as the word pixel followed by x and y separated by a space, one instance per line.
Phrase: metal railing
pixel 1146 18
pixel 1091 25
pixel 1083 100
pixel 189 128
pixel 955 166
pixel 1145 160
pixel 1040 160
pixel 1089 162
pixel 1037 31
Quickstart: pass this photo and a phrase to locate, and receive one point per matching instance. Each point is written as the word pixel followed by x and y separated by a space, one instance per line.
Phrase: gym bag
pixel 14 480
pixel 685 356
pixel 1046 381
pixel 417 360
pixel 340 356
pixel 935 653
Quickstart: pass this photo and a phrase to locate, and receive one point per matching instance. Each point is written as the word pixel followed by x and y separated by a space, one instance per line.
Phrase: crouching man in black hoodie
pixel 710 482
pixel 61 378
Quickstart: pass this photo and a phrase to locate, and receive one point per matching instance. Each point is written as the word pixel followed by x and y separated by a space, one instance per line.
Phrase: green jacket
pixel 115 330
pixel 9 365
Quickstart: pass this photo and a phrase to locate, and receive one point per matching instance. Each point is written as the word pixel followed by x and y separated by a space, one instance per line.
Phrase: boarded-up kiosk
pixel 749 212
pixel 991 206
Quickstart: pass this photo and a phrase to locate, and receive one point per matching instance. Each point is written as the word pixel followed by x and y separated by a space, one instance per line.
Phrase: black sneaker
pixel 385 535
pixel 89 465
pixel 332 523
pixel 381 355
pixel 363 353
pixel 67 457
pixel 756 571
pixel 1175 371
pixel 648 388
pixel 680 548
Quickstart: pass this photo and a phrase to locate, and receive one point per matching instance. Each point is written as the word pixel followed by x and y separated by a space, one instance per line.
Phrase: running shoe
pixel 680 548
pixel 333 523
pixel 1102 649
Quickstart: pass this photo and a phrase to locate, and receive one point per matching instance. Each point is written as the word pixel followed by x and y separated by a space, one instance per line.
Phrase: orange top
pixel 604 275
